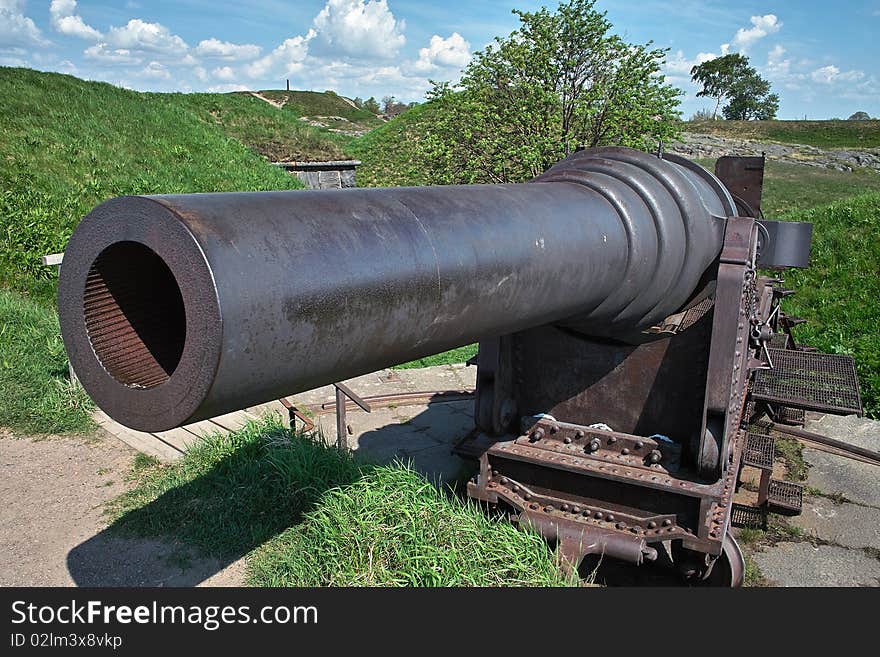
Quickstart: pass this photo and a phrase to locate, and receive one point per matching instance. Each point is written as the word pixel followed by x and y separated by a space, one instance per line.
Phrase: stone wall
pixel 337 174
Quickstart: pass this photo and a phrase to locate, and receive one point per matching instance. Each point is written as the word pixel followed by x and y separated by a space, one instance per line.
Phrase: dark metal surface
pixel 744 177
pixel 812 381
pixel 201 304
pixel 784 244
pixel 786 495
pixel 759 451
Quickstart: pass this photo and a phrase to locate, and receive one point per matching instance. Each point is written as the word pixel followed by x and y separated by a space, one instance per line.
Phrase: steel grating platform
pixel 785 495
pixel 759 451
pixel 743 515
pixel 811 381
pixel 779 341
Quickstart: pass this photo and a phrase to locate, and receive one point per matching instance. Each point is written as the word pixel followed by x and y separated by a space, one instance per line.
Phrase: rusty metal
pixel 623 326
pixel 785 496
pixel 818 441
pixel 812 381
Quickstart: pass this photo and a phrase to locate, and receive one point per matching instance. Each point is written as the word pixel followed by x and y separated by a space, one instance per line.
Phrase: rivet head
pixel 527 497
pixel 621 525
pixel 548 508
pixel 667 522
pixel 586 512
pixel 538 434
pixel 655 456
pixel 503 480
pixel 597 515
pixel 639 445
pixel 609 517
pixel 515 488
pixel 575 509
pixel 578 434
pixel 594 445
pixel 554 428
pixel 651 524
pixel 565 507
pixel 612 440
pixel 624 451
pixel 567 440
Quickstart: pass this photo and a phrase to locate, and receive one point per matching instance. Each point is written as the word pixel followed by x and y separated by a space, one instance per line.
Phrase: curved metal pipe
pixel 179 308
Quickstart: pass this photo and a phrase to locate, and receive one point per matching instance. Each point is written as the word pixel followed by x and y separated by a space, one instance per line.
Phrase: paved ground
pixel 840 543
pixel 53 491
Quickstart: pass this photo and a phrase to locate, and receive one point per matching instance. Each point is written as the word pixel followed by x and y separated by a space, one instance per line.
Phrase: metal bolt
pixel 548 508
pixel 594 445
pixel 655 456
pixel 621 525
pixel 578 434
pixel 538 434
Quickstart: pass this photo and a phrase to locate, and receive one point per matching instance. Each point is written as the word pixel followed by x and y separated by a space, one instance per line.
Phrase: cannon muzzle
pixel 179 308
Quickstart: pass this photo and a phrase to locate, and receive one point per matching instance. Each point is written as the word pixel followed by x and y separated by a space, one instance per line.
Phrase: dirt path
pixel 51 524
pixel 273 103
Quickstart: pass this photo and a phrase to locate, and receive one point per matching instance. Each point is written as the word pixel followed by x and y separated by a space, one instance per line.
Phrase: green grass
pixel 35 392
pixel 327 103
pixel 309 515
pixel 66 145
pixel 277 135
pixel 459 355
pixel 389 154
pixel 822 134
pixel 840 292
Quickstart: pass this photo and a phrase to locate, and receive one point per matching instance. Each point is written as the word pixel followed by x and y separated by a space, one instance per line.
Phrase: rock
pixel 802 564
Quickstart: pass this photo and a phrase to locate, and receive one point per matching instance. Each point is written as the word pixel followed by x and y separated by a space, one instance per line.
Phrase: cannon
pixel 616 299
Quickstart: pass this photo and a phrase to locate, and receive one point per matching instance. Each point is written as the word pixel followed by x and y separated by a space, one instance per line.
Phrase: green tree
pixel 560 81
pixel 371 105
pixel 732 78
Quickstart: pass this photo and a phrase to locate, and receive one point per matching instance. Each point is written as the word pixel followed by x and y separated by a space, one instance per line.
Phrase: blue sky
pixel 821 57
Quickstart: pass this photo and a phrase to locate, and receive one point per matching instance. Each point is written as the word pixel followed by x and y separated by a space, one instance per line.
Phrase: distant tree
pixel 392 107
pixel 359 102
pixel 702 115
pixel 860 116
pixel 731 77
pixel 560 81
pixel 371 105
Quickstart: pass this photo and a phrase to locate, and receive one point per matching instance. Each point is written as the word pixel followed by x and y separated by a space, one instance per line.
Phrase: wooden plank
pixel 52 259
pixel 179 438
pixel 139 440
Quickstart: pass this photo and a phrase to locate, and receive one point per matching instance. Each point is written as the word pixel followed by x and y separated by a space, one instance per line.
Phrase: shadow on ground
pixel 198 529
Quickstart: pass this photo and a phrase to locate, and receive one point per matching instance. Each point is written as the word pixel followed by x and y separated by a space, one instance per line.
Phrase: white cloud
pixel 103 53
pixel 16 29
pixel 285 59
pixel 226 50
pixel 777 66
pixel 226 88
pixel 224 73
pixel 152 37
pixel 761 27
pixel 156 71
pixel 452 52
pixel 678 64
pixel 64 19
pixel 366 29
pixel 831 74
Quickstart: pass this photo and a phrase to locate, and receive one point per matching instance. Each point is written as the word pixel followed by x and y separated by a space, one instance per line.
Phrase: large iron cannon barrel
pixel 178 308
